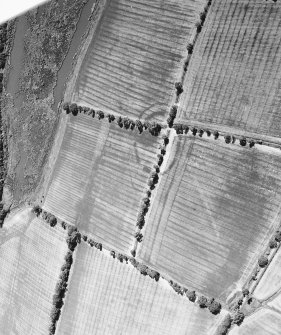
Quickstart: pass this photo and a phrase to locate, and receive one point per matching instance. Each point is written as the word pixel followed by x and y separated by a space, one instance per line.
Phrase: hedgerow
pixel 153 128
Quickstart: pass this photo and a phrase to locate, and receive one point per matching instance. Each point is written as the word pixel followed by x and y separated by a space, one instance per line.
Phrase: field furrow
pixel 215 209
pixel 233 78
pixel 100 177
pixel 108 297
pixel 136 57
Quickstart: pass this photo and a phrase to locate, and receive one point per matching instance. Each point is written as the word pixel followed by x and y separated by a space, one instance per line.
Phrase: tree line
pixel 74 237
pixel 190 47
pixel 153 128
pixel 184 129
pixel 151 183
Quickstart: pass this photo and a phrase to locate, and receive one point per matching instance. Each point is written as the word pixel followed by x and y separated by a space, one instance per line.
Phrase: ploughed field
pixel 31 255
pixel 108 297
pixel 99 178
pixel 234 75
pixel 136 56
pixel 216 208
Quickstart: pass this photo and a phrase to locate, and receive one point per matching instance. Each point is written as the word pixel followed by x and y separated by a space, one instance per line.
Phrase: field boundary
pixel 75 237
pixel 190 47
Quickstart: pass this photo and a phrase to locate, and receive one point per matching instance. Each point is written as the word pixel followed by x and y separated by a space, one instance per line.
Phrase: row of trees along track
pixel 122 121
pixel 74 237
pixel 3 146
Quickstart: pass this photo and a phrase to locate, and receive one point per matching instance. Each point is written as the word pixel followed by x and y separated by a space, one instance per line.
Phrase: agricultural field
pixel 234 75
pixel 216 208
pixel 31 255
pixel 263 322
pixel 108 297
pixel 100 177
pixel 276 303
pixel 136 56
pixel 271 280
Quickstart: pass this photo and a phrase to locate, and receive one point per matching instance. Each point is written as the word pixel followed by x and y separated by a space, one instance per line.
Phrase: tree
pixel 202 301
pixel 202 16
pixel 63 224
pixel 73 239
pixel 133 252
pixel 208 132
pixel 189 48
pixel 156 167
pixel 150 182
pixel 179 87
pixel 132 126
pixel 272 244
pixel 138 236
pixel 142 269
pixel 126 122
pixel 191 295
pixel 238 318
pixel 139 125
pixel 194 131
pixel 64 275
pixel 153 274
pixel 65 107
pixel 185 128
pixel 201 132
pixel 216 134
pixel 73 108
pixel 243 142
pixel 227 139
pixel 215 307
pixel 263 261
pixel 52 220
pixel 173 112
pixel 112 253
pixel 148 193
pixel 278 236
pixel 160 159
pixel 55 313
pixel 245 292
pixel 100 114
pixel 146 201
pixel 37 210
pixel 251 144
pixel 198 27
pixel 68 258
